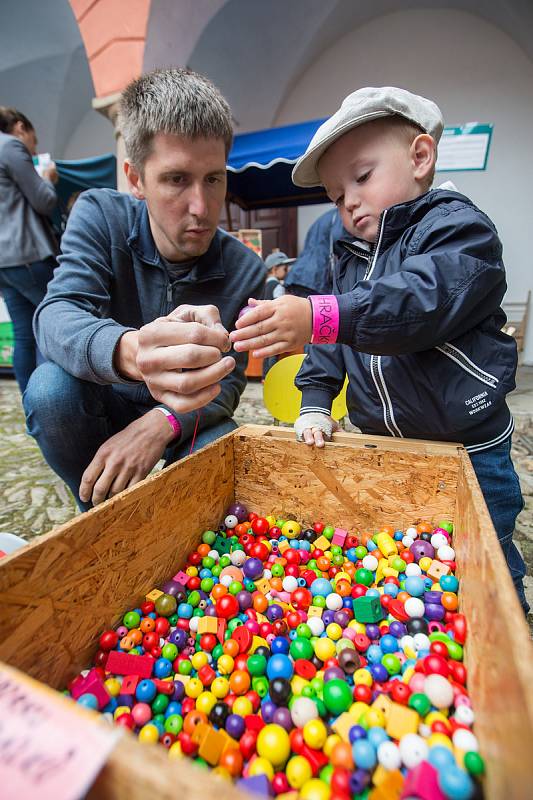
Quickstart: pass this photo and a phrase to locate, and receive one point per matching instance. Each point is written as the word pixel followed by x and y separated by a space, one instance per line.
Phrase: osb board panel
pixel 345 483
pixel 499 652
pixel 58 594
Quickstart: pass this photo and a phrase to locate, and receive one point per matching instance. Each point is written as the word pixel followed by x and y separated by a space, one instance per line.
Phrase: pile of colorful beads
pixel 302 662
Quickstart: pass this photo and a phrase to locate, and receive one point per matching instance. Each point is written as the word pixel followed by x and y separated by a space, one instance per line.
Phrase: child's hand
pixel 274 326
pixel 315 428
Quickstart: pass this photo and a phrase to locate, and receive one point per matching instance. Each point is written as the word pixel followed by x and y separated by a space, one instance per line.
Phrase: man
pixel 136 319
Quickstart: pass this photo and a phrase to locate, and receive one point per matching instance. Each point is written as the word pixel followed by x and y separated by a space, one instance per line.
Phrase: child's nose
pixel 351 200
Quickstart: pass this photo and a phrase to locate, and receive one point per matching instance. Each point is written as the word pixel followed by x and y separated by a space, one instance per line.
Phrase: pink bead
pixel 462 700
pixel 122 631
pixel 141 713
pixel 252 626
pixel 349 633
pixel 416 684
pixel 305 556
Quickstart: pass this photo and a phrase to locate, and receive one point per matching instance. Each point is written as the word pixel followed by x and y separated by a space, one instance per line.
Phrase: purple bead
pixel 274 612
pixel 125 700
pixel 397 629
pixel 210 611
pixel 421 549
pixel 434 611
pixel 373 632
pixel 179 691
pixel 267 711
pixel 253 568
pixel 179 638
pixel 282 716
pixel 342 618
pixel 434 598
pixel 171 587
pixel 239 511
pixel 333 672
pixel 328 616
pixel 235 725
pixel 379 673
pixel 244 600
pixel 356 732
pixel 359 781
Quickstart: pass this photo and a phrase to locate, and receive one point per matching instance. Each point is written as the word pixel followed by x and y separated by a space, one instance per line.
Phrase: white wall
pixel 94 136
pixel 475 72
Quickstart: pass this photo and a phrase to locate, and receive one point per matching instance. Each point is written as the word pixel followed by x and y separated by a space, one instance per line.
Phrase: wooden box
pixel 59 593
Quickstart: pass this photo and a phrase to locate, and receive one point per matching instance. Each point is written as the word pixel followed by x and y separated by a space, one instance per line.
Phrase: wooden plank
pixel 64 589
pixel 499 652
pixel 345 483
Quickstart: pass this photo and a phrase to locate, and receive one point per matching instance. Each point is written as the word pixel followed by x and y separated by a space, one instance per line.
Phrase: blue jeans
pixel 23 288
pixel 501 489
pixel 71 418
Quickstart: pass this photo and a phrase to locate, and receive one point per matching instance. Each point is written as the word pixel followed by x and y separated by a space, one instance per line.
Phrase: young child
pixel 415 319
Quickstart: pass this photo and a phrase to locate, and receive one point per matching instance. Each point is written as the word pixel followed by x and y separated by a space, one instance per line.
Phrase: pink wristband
pixel 325 318
pixel 172 421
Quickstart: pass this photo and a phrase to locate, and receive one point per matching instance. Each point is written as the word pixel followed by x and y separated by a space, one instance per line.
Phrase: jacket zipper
pixel 169 297
pixel 379 381
pixel 467 365
pixel 379 235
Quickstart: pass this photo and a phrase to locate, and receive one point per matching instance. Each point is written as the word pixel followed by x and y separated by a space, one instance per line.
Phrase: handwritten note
pixel 46 750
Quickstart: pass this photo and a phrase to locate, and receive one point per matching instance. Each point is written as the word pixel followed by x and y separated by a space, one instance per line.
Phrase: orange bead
pixel 277 584
pixel 343 588
pixel 204 549
pixel 231 759
pixel 365 538
pixel 424 527
pixel 323 563
pixel 136 635
pixel 241 528
pixel 192 719
pixel 239 681
pixel 231 648
pixel 450 601
pixel 387 529
pixel 403 596
pixel 341 756
pixel 218 590
pixel 147 625
pixel 260 602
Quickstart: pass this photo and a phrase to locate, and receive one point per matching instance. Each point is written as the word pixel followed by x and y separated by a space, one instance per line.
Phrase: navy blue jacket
pixel 111 279
pixel 312 272
pixel 420 328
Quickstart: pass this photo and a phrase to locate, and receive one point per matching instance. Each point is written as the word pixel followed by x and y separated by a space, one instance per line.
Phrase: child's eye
pixel 364 177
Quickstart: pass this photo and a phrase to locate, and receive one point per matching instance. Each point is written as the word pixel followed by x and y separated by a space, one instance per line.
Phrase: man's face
pixel 26 135
pixel 184 185
pixel 369 169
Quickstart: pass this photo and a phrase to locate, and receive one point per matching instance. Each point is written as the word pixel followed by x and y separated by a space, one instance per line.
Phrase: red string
pixel 195 431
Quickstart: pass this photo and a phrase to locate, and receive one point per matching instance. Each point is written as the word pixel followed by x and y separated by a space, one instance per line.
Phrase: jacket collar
pixel 210 266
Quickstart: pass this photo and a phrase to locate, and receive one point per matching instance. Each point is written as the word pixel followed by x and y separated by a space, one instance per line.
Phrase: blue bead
pixel 145 691
pixel 321 586
pixel 388 643
pixel 351 555
pixel 356 732
pixel 279 666
pixel 379 673
pixel 449 583
pixel 279 645
pixel 162 668
pixel 372 593
pixel 152 614
pixel 111 706
pixel 456 784
pixel 185 610
pixel 173 708
pixel 364 754
pixel 415 585
pixel 371 546
pixel 88 700
pixel 440 757
pixel 376 736
pixel 374 654
pixel 391 589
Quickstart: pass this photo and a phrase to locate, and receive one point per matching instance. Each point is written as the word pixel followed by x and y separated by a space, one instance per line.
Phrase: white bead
pixel 424 730
pixel 290 583
pixel 412 532
pixel 439 691
pixel 225 580
pixel 413 750
pixel 446 553
pixel 316 625
pixel 439 540
pixel 464 715
pixel 414 606
pixel 303 710
pixel 407 541
pixel 214 555
pixel 193 624
pixel 413 570
pixel 389 756
pixel 231 521
pixel 237 558
pixel 370 562
pixel 407 641
pixel 421 641
pixel 465 740
pixel 266 574
pixel 334 601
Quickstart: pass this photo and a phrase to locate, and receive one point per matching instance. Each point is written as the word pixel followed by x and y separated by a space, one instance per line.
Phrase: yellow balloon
pixel 281 397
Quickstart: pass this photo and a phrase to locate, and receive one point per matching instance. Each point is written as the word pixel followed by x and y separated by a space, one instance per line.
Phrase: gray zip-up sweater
pixel 111 279
pixel 26 202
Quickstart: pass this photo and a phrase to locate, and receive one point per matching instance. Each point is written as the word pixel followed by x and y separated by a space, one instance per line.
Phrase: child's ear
pixel 134 179
pixel 423 154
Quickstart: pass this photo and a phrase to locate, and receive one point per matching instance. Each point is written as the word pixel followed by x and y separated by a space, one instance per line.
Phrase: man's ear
pixel 423 155
pixel 134 179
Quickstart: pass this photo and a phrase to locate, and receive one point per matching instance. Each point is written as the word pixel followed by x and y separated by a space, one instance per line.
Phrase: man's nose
pixel 197 201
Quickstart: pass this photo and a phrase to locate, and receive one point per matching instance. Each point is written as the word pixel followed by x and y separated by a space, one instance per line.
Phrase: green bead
pixel 132 619
pixel 207 584
pixel 194 598
pixel 445 525
pixel 322 710
pixel 319 601
pixel 361 551
pixel 363 576
pixel 301 648
pixel 455 650
pixel 135 651
pixel 234 623
pixel 235 544
pixel 250 585
pixel 165 605
pixel 201 762
pixel 208 537
pixel 160 703
pixel 260 685
pixel 208 562
pixel 308 691
pixel 326 773
pixel 304 630
pixel 173 620
pixel 328 532
pixel 277 571
pixel 391 663
pixel 420 703
pixel 398 563
pixel 280 523
pixel 337 696
pixel 224 561
pixel 472 760
pixel 235 587
pixel 169 651
pixel 198 612
pixel 217 569
pixel 317 684
pixel 217 651
pixel 256 665
pixel 185 667
pixel 338 559
pixel 174 724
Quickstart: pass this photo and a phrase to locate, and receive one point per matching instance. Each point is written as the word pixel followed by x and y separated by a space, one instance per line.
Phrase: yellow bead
pixel 199 660
pixel 242 706
pixel 435 716
pixel 221 772
pixel 119 710
pixel 315 734
pixel 342 576
pixel 440 739
pixel 344 644
pixel 205 702
pixel 357 710
pixel 271 520
pixel 291 529
pixel 298 771
pixel 315 789
pixel 194 688
pixel 225 665
pixel 261 766
pixel 149 734
pixel 408 674
pixel 375 718
pixel 424 563
pixel 358 627
pixel 175 751
pixel 324 649
pixel 273 744
pixel 220 687
pixel 334 632
pixel 363 676
pixel 112 686
pixel 192 572
pixel 331 741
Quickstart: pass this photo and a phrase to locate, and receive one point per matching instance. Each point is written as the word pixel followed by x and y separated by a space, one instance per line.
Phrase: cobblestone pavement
pixel 33 500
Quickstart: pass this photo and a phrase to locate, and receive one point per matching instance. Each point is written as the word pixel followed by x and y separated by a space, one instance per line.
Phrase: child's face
pixel 372 167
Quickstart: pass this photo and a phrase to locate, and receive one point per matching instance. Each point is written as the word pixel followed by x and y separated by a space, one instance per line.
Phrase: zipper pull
pixel 169 294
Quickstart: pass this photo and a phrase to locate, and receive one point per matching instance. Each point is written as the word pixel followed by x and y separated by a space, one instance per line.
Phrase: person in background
pixel 277 264
pixel 28 246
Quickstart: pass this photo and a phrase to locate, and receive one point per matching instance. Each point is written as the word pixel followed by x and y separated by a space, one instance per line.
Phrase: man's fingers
pixel 205 315
pixel 164 332
pixel 89 477
pixel 184 403
pixel 193 380
pixel 103 484
pixel 121 481
pixel 272 350
pixel 175 357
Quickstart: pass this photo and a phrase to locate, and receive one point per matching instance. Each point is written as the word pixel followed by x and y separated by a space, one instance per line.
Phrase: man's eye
pixel 364 177
pixel 176 179
pixel 213 180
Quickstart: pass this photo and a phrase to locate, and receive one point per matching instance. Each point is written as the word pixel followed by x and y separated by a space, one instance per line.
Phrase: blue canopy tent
pixel 260 165
pixel 85 173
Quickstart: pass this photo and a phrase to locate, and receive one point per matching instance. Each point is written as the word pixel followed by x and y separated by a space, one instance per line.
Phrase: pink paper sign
pixel 46 750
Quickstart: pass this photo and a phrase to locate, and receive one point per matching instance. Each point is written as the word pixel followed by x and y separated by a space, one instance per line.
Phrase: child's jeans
pixel 501 489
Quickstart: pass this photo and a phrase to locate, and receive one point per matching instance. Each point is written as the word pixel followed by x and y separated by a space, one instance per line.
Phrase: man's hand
pixel 274 326
pixel 191 338
pixel 50 173
pixel 315 429
pixel 126 458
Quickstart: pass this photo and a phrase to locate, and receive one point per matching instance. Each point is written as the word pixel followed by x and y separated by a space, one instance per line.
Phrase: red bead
pixel 162 626
pixel 188 704
pixel 208 641
pixel 296 739
pixel 195 558
pixel 340 781
pixel 362 693
pixel 126 721
pixel 247 743
pixel 274 532
pixel 241 661
pixel 167 739
pixel 458 672
pixel 292 556
pixel 108 640
pixel 358 590
pixel 265 629
pixel 435 664
pixel 439 649
pixel 193 583
pixel 260 525
pixel 318 527
pixel 206 674
pixel 227 606
pixel 253 722
pixel 150 640
pixel 155 652
pixel 188 747
pixel 254 699
pixel 293 619
pixel 351 541
pixel 280 784
pixel 147 608
pixel 361 642
pixel 100 659
pixel 400 692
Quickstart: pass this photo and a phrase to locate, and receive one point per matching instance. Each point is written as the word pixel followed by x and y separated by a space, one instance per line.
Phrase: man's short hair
pixel 9 118
pixel 175 101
